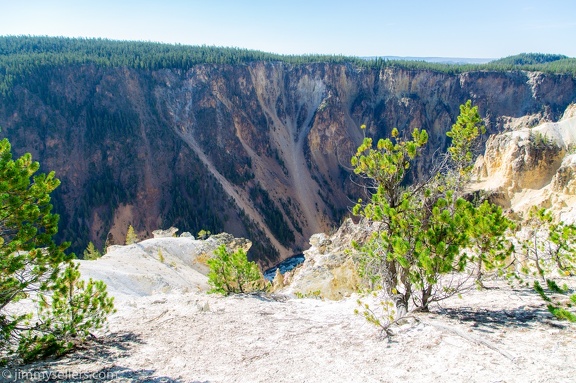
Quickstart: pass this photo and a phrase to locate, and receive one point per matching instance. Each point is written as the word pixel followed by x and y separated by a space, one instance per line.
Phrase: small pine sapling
pixel 232 273
pixel 131 236
pixel 91 253
pixel 66 317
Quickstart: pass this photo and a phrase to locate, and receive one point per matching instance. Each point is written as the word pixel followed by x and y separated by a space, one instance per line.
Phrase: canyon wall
pixel 260 150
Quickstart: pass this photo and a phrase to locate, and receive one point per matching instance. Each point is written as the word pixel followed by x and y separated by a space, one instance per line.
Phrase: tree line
pixel 23 55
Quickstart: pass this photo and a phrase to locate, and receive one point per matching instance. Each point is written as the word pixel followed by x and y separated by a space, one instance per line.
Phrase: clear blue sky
pixel 427 28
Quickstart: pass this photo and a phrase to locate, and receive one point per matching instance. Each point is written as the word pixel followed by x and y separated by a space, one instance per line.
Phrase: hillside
pixel 230 140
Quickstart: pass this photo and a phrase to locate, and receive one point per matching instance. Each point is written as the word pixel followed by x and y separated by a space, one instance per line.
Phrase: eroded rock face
pixel 564 181
pixel 518 160
pixel 329 270
pixel 532 167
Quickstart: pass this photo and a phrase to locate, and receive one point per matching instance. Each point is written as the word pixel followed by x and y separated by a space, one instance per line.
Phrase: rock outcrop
pixel 158 265
pixel 564 181
pixel 532 166
pixel 329 271
pixel 171 232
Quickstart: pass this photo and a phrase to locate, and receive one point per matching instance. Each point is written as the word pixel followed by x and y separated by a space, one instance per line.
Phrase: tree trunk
pixel 426 294
pixel 479 273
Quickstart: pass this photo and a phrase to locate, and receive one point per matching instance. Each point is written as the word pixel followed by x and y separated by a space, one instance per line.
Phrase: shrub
pixel 549 249
pixel 232 273
pixel 203 234
pixel 424 228
pixel 67 316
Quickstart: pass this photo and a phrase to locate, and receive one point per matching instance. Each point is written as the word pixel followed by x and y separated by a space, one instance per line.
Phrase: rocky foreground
pixel 161 334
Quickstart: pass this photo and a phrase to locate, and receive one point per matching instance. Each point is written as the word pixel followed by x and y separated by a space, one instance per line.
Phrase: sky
pixel 427 28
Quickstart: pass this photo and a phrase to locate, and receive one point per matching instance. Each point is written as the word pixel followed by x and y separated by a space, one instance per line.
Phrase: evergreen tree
pixel 33 266
pixel 550 250
pixel 424 227
pixel 544 247
pixel 26 229
pixel 131 236
pixel 489 242
pixel 91 252
pixel 204 234
pixel 67 316
pixel 232 273
pixel 464 134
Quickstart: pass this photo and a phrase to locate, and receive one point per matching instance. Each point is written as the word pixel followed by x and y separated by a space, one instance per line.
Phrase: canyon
pixel 260 150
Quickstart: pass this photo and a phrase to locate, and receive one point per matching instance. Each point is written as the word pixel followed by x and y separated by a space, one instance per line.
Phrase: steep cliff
pixel 260 150
pixel 532 166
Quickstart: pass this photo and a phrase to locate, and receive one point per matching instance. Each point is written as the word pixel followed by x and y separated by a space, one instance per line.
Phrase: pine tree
pixel 425 227
pixel 26 229
pixel 33 266
pixel 464 135
pixel 232 273
pixel 488 240
pixel 91 252
pixel 67 316
pixel 203 234
pixel 550 249
pixel 131 236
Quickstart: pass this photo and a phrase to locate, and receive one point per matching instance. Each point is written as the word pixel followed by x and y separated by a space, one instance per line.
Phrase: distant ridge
pixel 531 59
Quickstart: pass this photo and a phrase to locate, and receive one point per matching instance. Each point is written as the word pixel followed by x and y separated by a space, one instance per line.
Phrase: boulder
pixel 329 271
pixel 165 233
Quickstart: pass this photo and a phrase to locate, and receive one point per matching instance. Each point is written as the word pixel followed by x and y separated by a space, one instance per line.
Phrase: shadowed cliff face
pixel 259 150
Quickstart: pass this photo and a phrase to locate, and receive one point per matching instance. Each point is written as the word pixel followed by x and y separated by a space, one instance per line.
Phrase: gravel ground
pixel 496 335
